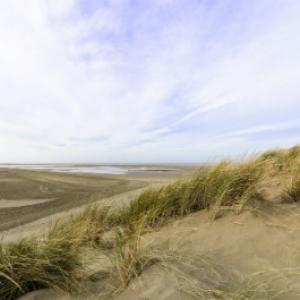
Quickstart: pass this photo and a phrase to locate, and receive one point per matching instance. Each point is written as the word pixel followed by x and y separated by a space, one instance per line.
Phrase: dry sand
pixel 228 251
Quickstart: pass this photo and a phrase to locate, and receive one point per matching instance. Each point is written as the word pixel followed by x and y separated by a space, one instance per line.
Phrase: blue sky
pixel 147 81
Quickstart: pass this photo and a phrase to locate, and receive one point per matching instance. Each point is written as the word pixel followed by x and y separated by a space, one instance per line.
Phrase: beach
pixel 27 195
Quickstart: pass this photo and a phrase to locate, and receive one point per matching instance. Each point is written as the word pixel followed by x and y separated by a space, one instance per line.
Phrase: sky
pixel 147 80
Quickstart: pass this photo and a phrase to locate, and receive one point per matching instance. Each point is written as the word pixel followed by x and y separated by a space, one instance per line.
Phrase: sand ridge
pixel 5 203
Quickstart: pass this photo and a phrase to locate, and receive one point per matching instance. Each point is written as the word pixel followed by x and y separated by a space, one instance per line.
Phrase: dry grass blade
pixel 292 194
pixel 129 259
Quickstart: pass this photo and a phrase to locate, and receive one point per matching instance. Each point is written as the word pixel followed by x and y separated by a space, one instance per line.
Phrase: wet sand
pixel 27 195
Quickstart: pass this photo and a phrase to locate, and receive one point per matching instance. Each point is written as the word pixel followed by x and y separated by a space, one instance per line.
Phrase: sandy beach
pixel 30 195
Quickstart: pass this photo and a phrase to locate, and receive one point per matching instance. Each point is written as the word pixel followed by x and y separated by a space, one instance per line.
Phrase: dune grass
pixel 30 265
pixel 53 261
pixel 225 184
pixel 84 229
pixel 129 260
pixel 292 194
pixel 282 161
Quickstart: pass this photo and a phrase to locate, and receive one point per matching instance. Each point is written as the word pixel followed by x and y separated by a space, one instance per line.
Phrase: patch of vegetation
pixel 52 261
pixel 85 229
pixel 292 194
pixel 281 161
pixel 32 264
pixel 225 184
pixel 129 260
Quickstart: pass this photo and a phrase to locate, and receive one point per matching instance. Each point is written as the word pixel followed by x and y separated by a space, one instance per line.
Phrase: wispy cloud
pixel 264 128
pixel 160 80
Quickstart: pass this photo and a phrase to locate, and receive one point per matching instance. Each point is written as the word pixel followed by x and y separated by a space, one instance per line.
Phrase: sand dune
pixel 203 255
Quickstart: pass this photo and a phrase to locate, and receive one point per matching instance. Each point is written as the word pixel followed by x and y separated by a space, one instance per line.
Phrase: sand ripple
pixel 4 203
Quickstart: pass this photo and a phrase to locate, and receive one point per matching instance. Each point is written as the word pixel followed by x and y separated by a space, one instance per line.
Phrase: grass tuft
pixel 292 194
pixel 129 260
pixel 31 264
pixel 85 229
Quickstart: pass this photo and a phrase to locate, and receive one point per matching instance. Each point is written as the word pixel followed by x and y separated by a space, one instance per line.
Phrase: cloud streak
pixel 153 81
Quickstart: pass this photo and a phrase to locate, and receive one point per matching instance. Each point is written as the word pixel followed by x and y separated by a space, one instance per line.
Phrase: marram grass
pixel 30 264
pixel 51 261
pixel 225 184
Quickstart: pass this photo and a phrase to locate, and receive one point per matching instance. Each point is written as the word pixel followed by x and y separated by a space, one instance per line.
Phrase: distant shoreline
pixel 108 169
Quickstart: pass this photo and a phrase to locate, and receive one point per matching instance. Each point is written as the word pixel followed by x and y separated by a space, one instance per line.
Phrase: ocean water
pixel 90 169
